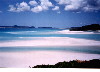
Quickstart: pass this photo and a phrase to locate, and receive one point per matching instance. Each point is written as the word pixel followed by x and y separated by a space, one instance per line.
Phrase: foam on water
pixel 77 32
pixel 21 32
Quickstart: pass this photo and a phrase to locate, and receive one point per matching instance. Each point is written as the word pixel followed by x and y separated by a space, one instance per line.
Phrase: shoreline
pixel 33 58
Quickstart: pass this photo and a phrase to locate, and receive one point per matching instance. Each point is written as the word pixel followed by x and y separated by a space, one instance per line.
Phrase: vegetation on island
pixel 93 27
pixel 95 63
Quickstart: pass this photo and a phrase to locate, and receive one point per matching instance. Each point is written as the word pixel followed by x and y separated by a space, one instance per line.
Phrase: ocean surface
pixel 33 46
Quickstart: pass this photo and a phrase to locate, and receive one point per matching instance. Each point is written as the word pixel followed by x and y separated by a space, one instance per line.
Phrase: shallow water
pixel 78 49
pixel 31 46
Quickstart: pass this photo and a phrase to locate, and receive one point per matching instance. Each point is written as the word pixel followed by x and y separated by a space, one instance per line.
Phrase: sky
pixel 49 13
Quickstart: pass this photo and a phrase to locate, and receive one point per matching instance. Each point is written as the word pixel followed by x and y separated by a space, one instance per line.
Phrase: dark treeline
pixel 92 27
pixel 95 63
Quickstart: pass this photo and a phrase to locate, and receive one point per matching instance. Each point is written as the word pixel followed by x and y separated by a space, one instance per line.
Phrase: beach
pixel 21 48
pixel 33 58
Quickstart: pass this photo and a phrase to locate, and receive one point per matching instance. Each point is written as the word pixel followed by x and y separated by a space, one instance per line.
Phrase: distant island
pixel 95 63
pixel 16 26
pixel 92 27
pixel 44 27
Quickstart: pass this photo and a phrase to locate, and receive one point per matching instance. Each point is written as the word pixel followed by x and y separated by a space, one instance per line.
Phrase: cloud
pixel 37 9
pixel 69 5
pixel 19 7
pixel 12 8
pixel 55 8
pixel 23 7
pixel 63 1
pixel 92 5
pixel 33 3
pixel 74 5
pixel 80 5
pixel 44 5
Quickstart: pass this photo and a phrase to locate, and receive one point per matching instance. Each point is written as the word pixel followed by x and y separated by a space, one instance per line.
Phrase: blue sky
pixel 54 13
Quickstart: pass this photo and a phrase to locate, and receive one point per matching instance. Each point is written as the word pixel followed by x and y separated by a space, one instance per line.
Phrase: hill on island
pixel 93 27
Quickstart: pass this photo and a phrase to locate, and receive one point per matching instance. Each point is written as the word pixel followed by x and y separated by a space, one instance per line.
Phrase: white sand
pixel 76 32
pixel 26 59
pixel 33 58
pixel 51 41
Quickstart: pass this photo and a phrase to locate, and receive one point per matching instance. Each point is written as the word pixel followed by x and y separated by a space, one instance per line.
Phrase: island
pixel 92 27
pixel 44 27
pixel 16 26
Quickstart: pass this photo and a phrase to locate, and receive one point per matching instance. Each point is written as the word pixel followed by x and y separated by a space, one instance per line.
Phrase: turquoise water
pixel 19 47
pixel 80 49
pixel 14 34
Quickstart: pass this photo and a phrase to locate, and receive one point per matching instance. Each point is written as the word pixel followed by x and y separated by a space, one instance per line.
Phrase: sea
pixel 28 47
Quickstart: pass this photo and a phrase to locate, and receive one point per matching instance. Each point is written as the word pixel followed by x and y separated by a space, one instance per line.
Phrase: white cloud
pixel 19 7
pixel 80 5
pixel 70 5
pixel 55 8
pixel 12 8
pixel 22 7
pixel 92 5
pixel 74 5
pixel 63 1
pixel 33 3
pixel 37 9
pixel 45 4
